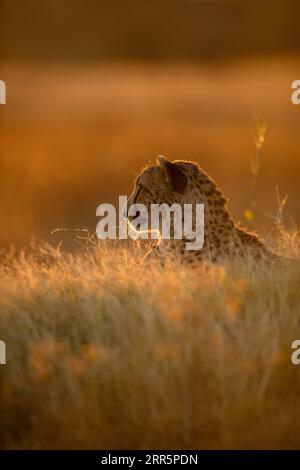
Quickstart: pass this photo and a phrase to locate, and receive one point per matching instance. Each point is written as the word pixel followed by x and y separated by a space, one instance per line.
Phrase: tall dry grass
pixel 105 353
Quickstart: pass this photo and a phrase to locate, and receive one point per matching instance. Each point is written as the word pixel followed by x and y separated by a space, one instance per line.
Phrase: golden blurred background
pixel 96 89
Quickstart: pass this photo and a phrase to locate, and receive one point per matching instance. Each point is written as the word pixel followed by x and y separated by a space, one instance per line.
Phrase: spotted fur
pixel 185 182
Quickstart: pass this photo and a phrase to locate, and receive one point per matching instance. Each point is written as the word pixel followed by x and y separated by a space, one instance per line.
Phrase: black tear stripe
pixel 137 195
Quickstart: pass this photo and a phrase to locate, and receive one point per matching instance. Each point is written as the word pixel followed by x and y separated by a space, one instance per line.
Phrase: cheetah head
pixel 180 182
pixel 165 182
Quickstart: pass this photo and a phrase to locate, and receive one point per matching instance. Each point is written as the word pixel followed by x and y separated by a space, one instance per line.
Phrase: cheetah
pixel 184 182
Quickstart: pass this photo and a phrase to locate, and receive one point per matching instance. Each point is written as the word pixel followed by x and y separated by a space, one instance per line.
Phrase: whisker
pixel 134 172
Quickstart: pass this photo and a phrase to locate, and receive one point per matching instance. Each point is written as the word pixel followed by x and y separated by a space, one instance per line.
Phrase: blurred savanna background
pixel 102 352
pixel 97 89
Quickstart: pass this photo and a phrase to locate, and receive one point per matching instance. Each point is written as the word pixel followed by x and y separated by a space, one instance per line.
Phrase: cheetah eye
pixel 139 187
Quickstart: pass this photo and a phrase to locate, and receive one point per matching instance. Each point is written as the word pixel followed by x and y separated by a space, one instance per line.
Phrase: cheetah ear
pixel 174 175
